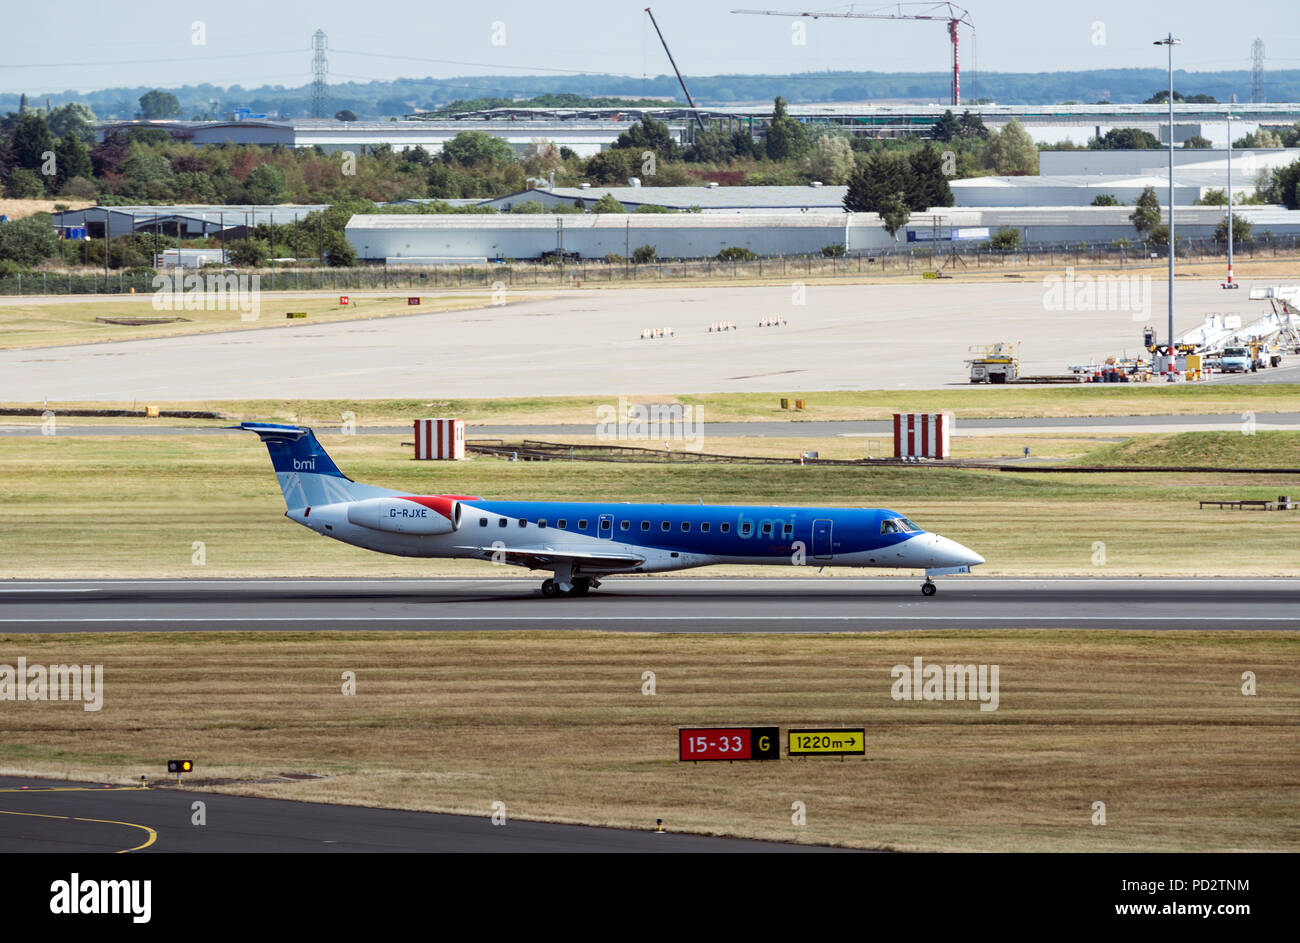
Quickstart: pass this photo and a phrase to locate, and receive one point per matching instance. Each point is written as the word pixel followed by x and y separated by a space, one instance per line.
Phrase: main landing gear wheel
pixel 550 589
pixel 928 588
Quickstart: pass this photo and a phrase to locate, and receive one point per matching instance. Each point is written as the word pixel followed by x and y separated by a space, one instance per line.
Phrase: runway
pixel 52 816
pixel 656 604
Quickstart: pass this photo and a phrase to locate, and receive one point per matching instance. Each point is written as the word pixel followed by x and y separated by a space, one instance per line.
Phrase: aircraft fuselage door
pixel 821 542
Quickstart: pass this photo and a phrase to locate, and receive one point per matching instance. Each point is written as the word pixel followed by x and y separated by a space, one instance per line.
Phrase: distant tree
pixel 345 115
pixel 831 160
pixel 1123 139
pixel 616 165
pixel 156 105
pixel 73 118
pixel 736 254
pixel 711 146
pixel 80 188
pixel 930 184
pixel 894 213
pixel 1240 230
pixel 527 206
pixel 1158 237
pixel 1007 238
pixel 972 126
pixel 24 184
pixel 28 241
pixel 1012 150
pixel 1105 199
pixel 786 138
pixel 608 204
pixel 1146 216
pixel 1283 186
pixel 649 135
pixel 72 159
pixel 265 185
pixel 31 140
pixel 541 157
pixel 567 153
pixel 1196 141
pixel 1260 138
pixel 1213 198
pixel 834 251
pixel 249 253
pixel 470 148
pixel 947 127
pixel 653 208
pixel 642 254
pixel 107 156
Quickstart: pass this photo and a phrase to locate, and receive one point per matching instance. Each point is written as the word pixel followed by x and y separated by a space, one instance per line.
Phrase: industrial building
pixel 441 238
pixel 436 239
pixel 185 222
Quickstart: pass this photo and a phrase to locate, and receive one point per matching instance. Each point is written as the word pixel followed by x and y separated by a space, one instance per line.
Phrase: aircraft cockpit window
pixel 898 525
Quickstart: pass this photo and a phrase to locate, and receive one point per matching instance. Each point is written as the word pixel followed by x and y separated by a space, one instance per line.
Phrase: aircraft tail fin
pixel 308 476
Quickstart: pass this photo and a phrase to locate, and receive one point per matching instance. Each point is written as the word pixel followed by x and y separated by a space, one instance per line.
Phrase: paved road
pixel 838 337
pixel 50 816
pixel 691 604
pixel 1060 425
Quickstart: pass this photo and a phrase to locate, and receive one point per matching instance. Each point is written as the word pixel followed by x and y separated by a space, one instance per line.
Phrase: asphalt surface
pixel 838 337
pixel 638 604
pixel 49 816
pixel 1040 425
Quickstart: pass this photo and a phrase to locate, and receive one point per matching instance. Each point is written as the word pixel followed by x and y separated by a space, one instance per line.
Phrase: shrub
pixel 736 254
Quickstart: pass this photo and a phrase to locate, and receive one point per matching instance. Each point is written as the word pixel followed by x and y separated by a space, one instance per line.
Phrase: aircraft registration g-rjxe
pixel 580 542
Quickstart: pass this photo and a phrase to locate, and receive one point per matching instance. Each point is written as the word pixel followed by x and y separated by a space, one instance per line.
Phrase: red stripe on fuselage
pixel 439 502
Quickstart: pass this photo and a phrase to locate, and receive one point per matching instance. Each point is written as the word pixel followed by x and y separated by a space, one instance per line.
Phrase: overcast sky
pixel 83 44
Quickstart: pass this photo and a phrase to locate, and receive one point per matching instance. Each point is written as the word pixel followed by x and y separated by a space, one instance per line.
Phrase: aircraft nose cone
pixel 952 553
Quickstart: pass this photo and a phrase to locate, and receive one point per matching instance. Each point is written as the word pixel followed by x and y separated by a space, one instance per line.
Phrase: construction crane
pixel 948 12
pixel 690 101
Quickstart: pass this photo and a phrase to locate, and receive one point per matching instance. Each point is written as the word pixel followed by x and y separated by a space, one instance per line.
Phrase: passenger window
pixel 704 528
pixel 665 526
pixel 482 522
pixel 541 522
pixel 788 530
pixel 522 522
pixel 561 523
pixel 767 529
pixel 582 525
pixel 624 525
pixel 745 529
pixel 686 525
pixel 726 527
pixel 604 524
pixel 502 522
pixel 645 525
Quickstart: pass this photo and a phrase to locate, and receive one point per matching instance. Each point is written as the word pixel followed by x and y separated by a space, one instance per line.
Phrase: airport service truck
pixel 1236 359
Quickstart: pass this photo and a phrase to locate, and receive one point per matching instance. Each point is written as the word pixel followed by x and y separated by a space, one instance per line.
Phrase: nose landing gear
pixel 928 588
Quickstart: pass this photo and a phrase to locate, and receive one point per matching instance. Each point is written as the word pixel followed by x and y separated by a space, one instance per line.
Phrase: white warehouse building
pixel 454 237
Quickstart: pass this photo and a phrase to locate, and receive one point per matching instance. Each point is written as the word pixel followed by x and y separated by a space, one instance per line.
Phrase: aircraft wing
pixel 540 558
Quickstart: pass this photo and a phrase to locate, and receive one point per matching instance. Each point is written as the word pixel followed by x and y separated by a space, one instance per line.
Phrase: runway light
pixel 180 766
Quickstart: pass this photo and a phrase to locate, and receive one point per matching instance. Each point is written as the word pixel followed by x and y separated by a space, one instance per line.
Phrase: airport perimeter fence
pixel 904 259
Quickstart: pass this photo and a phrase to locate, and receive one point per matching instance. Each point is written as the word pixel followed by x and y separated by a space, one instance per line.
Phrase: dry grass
pixel 21 209
pixel 963 402
pixel 554 724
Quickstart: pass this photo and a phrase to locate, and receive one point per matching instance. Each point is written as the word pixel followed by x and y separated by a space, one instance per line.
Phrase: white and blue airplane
pixel 581 542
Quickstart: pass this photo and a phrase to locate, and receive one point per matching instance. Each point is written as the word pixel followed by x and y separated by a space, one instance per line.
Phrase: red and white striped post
pixel 439 439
